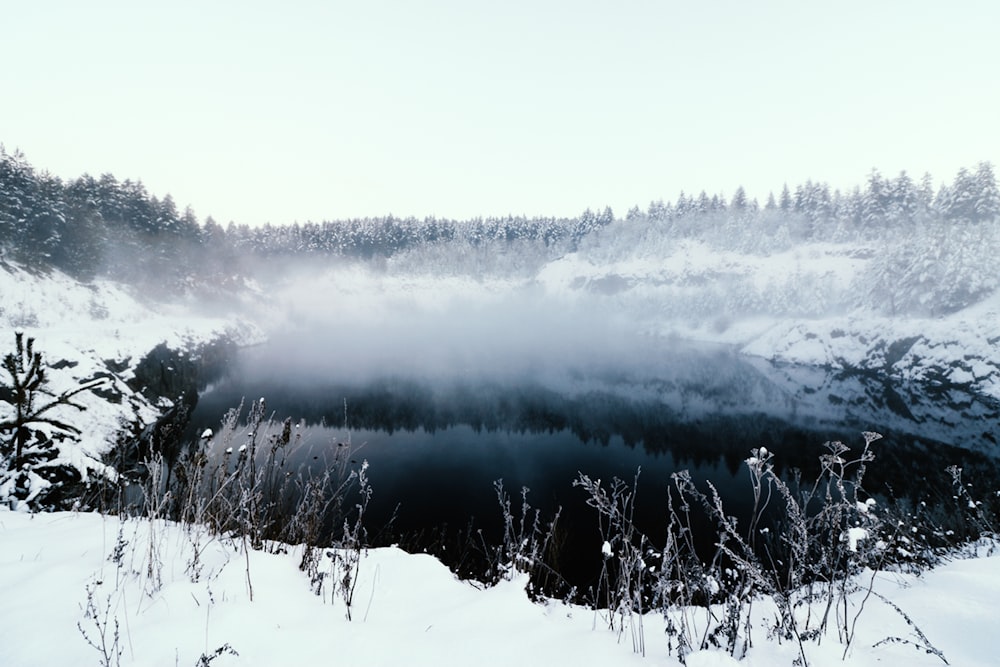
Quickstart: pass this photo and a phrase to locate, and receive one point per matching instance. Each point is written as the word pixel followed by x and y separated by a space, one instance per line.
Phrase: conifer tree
pixel 987 202
pixel 785 201
pixel 26 392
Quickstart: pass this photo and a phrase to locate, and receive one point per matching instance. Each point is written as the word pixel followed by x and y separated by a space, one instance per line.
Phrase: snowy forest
pixel 931 250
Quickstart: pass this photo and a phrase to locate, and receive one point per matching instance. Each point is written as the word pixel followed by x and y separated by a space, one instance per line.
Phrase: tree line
pixel 90 227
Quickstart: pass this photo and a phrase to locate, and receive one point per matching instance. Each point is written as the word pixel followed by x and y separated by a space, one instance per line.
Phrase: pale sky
pixel 311 110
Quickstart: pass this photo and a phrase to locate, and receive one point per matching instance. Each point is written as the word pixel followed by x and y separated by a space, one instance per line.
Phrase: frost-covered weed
pixel 526 547
pixel 346 556
pixel 236 485
pixel 812 549
pixel 101 632
pixel 207 659
pixel 622 585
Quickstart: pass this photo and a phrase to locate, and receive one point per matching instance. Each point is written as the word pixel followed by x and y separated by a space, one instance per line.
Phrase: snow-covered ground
pixel 798 306
pixel 407 609
pixel 98 330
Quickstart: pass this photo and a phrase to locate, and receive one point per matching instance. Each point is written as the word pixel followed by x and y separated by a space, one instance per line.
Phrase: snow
pixel 854 536
pixel 89 325
pixel 408 609
pixel 798 306
pixel 959 348
pixel 711 659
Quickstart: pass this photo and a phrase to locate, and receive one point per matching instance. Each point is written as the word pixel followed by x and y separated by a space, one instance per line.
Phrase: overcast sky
pixel 311 110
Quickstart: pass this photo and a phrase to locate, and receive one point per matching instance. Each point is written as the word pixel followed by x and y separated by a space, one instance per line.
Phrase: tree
pixel 18 187
pixel 925 197
pixel 86 235
pixel 987 203
pixel 703 204
pixel 875 201
pixel 166 218
pixel 739 201
pixel 28 384
pixel 972 197
pixel 904 200
pixel 785 201
pixel 657 210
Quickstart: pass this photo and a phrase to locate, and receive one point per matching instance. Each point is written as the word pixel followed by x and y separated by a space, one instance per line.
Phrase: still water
pixel 436 438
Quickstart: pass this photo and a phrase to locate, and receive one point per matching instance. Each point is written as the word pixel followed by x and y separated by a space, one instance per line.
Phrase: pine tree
pixel 28 384
pixel 739 201
pixel 963 196
pixel 86 234
pixel 42 236
pixel 903 200
pixel 684 205
pixel 925 197
pixel 987 200
pixel 704 203
pixel 18 184
pixel 875 201
pixel 785 200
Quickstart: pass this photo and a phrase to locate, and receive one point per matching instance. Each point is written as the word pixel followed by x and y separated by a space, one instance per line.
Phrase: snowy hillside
pixel 97 331
pixel 800 306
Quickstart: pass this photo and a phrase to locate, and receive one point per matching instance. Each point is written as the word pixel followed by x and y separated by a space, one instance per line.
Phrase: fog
pixel 355 324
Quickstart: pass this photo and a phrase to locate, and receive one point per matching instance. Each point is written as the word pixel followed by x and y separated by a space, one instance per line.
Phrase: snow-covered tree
pixel 987 202
pixel 26 390
pixel 739 202
pixel 785 200
pixel 771 204
pixel 875 201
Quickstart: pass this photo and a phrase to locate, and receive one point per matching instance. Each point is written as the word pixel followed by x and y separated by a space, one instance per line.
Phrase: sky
pixel 279 112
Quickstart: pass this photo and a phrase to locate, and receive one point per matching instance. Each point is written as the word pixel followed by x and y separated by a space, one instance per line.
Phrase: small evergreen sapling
pixel 26 390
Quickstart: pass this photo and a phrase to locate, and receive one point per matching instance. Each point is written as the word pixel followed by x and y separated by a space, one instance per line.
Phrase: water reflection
pixel 436 444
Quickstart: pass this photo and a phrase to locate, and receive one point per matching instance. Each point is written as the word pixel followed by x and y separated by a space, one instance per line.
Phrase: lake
pixel 436 436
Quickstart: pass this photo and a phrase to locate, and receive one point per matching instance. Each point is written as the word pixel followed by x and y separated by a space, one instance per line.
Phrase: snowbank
pixel 408 609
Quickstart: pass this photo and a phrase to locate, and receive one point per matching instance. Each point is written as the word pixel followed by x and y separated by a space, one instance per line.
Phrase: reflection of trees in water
pixel 687 431
pixel 934 411
pixel 905 465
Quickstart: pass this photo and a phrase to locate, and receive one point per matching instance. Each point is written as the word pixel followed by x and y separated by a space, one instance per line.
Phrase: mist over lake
pixel 442 412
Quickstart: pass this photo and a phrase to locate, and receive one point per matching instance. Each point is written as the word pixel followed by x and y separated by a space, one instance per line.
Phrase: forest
pixel 931 248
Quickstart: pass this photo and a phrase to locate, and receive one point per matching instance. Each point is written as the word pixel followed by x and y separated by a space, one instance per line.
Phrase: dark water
pixel 436 441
